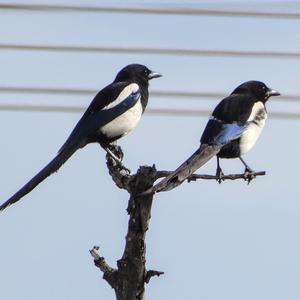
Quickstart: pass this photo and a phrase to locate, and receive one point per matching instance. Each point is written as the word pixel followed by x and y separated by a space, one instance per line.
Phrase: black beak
pixel 153 75
pixel 271 92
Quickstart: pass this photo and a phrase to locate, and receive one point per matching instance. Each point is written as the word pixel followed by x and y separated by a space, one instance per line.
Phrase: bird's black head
pixel 136 73
pixel 257 89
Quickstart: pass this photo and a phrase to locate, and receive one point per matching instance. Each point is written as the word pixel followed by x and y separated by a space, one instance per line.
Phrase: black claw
pixel 219 175
pixel 119 165
pixel 117 151
pixel 116 157
pixel 124 168
pixel 249 174
pixel 248 170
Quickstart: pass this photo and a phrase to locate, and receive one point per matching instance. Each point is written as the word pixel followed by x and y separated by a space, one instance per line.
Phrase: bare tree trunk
pixel 129 279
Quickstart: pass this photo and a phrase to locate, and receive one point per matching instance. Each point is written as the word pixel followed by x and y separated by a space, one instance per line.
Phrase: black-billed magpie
pixel 231 131
pixel 113 113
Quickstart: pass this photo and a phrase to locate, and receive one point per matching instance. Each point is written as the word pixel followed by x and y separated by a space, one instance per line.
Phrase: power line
pixel 152 50
pixel 157 93
pixel 150 111
pixel 150 10
pixel 47 90
pixel 212 95
pixel 41 108
pixel 206 113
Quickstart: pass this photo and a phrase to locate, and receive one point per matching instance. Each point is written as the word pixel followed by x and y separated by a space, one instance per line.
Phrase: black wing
pixel 104 97
pixel 234 108
pixel 228 120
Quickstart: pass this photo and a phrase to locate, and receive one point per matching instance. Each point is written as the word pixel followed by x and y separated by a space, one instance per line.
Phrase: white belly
pixel 257 122
pixel 249 137
pixel 124 123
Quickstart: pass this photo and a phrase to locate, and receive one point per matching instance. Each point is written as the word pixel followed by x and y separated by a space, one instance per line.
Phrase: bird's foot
pixel 249 174
pixel 115 152
pixel 122 167
pixel 219 175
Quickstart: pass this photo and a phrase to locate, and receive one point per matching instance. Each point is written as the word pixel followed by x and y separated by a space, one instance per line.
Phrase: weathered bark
pixel 129 279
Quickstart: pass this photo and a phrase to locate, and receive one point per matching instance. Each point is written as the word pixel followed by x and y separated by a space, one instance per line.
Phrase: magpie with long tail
pixel 114 112
pixel 232 130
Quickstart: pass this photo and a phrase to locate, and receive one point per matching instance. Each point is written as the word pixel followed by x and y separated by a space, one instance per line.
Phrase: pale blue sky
pixel 229 241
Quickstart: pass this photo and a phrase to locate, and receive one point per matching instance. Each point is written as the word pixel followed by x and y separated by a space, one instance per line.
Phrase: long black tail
pixel 52 167
pixel 193 163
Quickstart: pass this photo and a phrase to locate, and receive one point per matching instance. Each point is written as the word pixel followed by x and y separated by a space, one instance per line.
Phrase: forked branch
pixel 129 278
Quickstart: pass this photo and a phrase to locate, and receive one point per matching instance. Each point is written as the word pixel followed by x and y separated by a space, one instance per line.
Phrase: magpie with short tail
pixel 232 130
pixel 114 112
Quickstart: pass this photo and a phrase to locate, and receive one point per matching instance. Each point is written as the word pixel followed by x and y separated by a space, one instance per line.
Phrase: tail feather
pixel 193 163
pixel 49 169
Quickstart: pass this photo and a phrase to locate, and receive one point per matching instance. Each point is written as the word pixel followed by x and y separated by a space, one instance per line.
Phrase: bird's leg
pixel 219 172
pixel 247 168
pixel 112 155
pixel 116 153
pixel 116 150
pixel 248 173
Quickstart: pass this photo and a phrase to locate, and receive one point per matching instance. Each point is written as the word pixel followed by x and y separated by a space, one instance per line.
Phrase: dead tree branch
pixel 247 176
pixel 130 277
pixel 109 273
pixel 152 273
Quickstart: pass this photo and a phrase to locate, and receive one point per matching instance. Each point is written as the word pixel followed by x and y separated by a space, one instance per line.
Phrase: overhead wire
pixel 157 93
pixel 149 111
pixel 152 50
pixel 140 50
pixel 149 10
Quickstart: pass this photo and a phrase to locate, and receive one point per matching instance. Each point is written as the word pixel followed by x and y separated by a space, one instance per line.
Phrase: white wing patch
pixel 126 122
pixel 128 90
pixel 256 120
